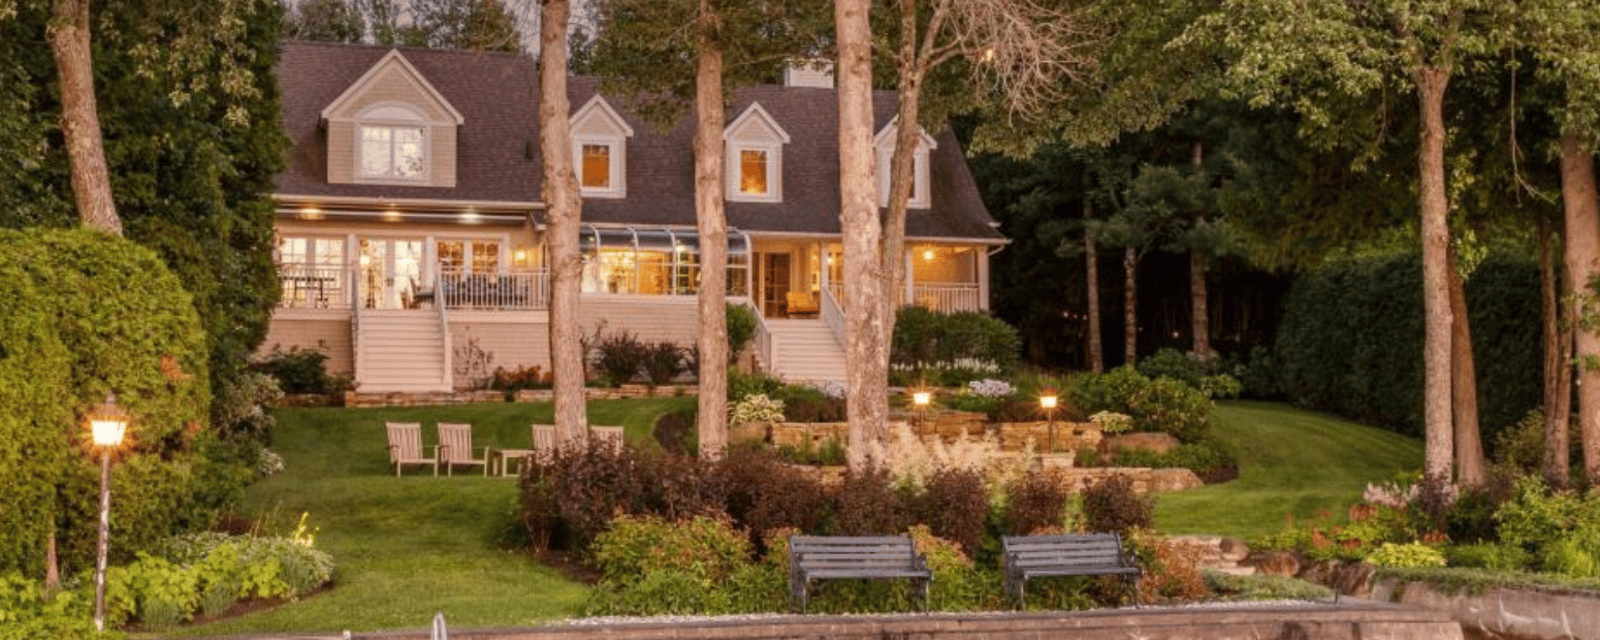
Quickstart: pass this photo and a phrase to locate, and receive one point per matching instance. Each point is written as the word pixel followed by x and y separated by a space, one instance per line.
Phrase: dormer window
pixel 392 127
pixel 755 157
pixel 920 189
pixel 599 150
pixel 393 145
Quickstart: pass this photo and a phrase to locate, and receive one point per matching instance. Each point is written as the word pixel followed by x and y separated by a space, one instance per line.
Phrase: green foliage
pixel 1488 555
pixel 742 322
pixel 27 614
pixel 967 343
pixel 635 547
pixel 1207 459
pixel 1171 363
pixel 663 361
pixel 1413 554
pixel 1164 404
pixel 1036 503
pixel 619 356
pixel 301 371
pixel 209 572
pixel 1352 327
pixel 1264 587
pixel 805 403
pixel 1560 528
pixel 90 314
pixel 742 384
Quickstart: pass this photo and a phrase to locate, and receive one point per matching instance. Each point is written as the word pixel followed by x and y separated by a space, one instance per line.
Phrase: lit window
pixel 390 152
pixel 753 172
pixel 596 166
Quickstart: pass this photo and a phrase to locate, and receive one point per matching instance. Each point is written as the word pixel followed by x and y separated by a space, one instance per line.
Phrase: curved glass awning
pixel 654 260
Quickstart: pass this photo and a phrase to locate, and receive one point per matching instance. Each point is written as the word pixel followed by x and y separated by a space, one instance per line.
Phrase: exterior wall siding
pixel 508 345
pixel 330 336
pixel 648 318
pixel 341 152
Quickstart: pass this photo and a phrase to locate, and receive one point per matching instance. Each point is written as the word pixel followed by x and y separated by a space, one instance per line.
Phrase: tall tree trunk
pixel 1201 320
pixel 1578 197
pixel 1464 387
pixel 712 223
pixel 866 365
pixel 80 117
pixel 1557 375
pixel 1198 303
pixel 563 212
pixel 1431 81
pixel 1097 361
pixel 1130 306
pixel 901 180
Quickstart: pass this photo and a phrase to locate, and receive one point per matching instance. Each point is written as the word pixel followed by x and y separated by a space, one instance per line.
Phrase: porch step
pixel 805 351
pixel 400 351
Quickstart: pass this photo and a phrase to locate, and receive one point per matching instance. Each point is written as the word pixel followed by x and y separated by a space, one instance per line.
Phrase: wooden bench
pixel 814 558
pixel 1076 554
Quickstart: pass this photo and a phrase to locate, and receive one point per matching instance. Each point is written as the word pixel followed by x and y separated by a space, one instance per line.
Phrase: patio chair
pixel 612 435
pixel 802 303
pixel 405 446
pixel 544 438
pixel 455 448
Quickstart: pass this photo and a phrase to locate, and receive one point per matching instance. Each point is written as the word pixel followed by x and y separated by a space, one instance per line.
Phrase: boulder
pixel 1275 563
pixel 1176 479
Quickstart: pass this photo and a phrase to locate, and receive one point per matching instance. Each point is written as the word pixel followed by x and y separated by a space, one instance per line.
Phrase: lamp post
pixel 107 422
pixel 921 400
pixel 1048 403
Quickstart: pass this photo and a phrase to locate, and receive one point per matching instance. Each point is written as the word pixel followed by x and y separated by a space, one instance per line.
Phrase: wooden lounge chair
pixel 802 303
pixel 405 446
pixel 607 434
pixel 544 438
pixel 455 448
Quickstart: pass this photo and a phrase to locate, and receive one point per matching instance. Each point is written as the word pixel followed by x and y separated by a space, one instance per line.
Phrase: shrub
pixel 569 496
pixel 742 384
pixel 1560 528
pixel 1171 570
pixel 868 504
pixel 805 403
pixel 528 377
pixel 1037 502
pixel 87 313
pixel 619 357
pixel 954 506
pixel 30 615
pixel 1488 555
pixel 741 328
pixel 1406 555
pixel 1113 505
pixel 663 362
pixel 755 408
pixel 634 547
pixel 301 371
pixel 1162 405
pixel 1174 364
pixel 767 495
pixel 925 340
pixel 1208 460
pixel 1263 587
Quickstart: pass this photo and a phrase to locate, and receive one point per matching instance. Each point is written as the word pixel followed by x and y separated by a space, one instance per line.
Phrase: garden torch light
pixel 107 423
pixel 1048 403
pixel 921 400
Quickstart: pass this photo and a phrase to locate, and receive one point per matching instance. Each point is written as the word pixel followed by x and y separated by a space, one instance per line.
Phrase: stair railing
pixel 833 314
pixel 763 338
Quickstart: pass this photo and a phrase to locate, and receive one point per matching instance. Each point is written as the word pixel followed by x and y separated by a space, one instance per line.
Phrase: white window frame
pixel 393 116
pixel 921 186
pixel 753 130
pixel 617 157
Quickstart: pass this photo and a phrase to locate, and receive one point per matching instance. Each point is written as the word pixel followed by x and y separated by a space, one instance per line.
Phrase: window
pixel 755 157
pixel 474 256
pixel 311 271
pixel 920 190
pixel 599 150
pixel 391 153
pixel 655 261
pixel 753 172
pixel 596 166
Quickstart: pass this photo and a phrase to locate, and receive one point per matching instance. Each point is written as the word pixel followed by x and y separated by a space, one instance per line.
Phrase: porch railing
pixel 520 290
pixel 833 314
pixel 947 297
pixel 762 338
pixel 308 286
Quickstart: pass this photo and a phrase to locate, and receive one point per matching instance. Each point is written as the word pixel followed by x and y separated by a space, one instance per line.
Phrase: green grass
pixel 1291 462
pixel 407 547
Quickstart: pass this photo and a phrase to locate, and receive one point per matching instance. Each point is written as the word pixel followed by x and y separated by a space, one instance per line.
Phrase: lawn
pixel 407 547
pixel 1291 462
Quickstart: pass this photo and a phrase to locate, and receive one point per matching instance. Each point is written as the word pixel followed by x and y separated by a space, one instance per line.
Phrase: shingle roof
pixel 497 96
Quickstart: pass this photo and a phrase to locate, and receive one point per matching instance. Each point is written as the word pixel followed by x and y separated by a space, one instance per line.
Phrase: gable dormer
pixel 883 142
pixel 754 159
pixel 600 150
pixel 392 127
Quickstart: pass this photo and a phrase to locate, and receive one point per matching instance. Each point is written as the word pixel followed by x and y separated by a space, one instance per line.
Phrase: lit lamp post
pixel 921 400
pixel 1048 403
pixel 107 422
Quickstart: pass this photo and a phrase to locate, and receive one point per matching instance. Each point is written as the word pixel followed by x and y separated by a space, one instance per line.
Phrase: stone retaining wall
pixel 427 398
pixel 1504 613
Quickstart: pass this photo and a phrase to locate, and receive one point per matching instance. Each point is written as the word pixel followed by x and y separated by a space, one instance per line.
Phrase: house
pixel 409 223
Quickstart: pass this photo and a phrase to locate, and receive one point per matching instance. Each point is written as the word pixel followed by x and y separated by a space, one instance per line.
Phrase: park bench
pixel 814 558
pixel 1075 554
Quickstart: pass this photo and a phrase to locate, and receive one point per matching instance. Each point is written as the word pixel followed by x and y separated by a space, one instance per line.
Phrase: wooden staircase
pixel 400 351
pixel 805 351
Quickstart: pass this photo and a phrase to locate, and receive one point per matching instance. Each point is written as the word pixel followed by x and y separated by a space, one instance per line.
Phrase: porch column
pixel 983 277
pixel 911 267
pixel 822 267
pixel 352 270
pixel 430 261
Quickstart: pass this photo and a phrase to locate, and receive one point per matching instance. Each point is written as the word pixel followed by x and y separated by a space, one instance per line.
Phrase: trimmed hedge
pixel 925 339
pixel 87 313
pixel 1351 340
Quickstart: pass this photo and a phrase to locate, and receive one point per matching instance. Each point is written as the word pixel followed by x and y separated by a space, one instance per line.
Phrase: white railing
pixel 833 314
pixel 355 327
pixel 308 286
pixel 521 290
pixel 947 297
pixel 449 346
pixel 763 337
